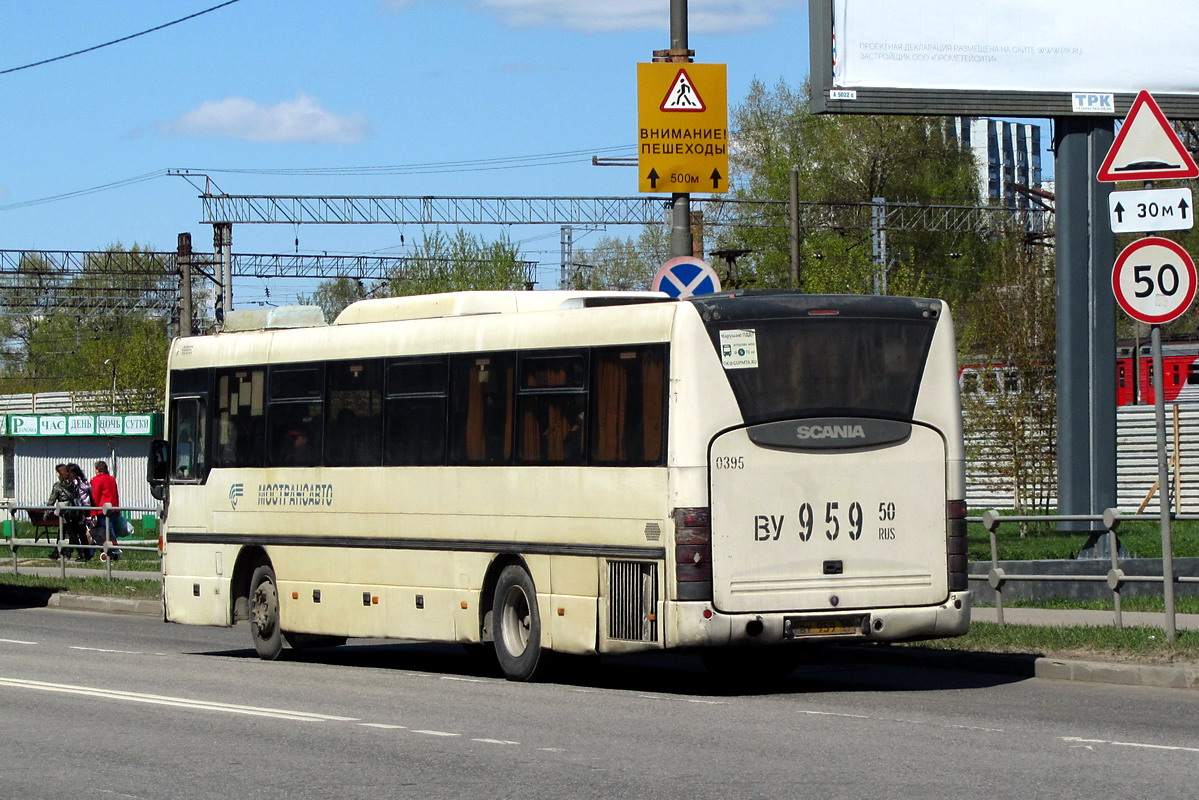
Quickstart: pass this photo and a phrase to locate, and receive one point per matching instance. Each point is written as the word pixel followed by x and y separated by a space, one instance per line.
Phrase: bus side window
pixel 295 418
pixel 240 417
pixel 481 390
pixel 628 406
pixel 551 407
pixel 414 415
pixel 354 414
pixel 188 459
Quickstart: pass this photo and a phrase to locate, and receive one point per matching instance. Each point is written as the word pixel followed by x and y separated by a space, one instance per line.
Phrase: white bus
pixel 743 473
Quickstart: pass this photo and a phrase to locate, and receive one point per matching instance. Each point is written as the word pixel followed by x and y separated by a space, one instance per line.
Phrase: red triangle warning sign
pixel 682 96
pixel 1147 148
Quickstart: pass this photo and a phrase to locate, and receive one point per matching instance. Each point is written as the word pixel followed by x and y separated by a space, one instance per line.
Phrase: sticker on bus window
pixel 739 349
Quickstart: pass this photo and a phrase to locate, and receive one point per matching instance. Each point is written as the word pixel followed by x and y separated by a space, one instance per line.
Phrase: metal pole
pixel 1086 326
pixel 680 220
pixel 184 259
pixel 1163 479
pixel 878 230
pixel 794 218
pixel 222 245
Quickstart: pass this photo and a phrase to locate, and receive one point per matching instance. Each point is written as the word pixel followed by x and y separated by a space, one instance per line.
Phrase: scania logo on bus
pixel 826 433
pixel 830 432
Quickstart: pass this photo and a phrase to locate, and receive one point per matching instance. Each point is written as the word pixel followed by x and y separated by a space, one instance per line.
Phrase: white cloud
pixel 298 120
pixel 703 16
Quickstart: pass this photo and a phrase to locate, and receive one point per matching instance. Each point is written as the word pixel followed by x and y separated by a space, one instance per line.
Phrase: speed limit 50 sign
pixel 1154 280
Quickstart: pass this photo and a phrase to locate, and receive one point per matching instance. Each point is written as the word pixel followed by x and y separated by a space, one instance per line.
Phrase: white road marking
pixel 102 650
pixel 834 714
pixel 494 741
pixel 1143 745
pixel 16 641
pixel 383 725
pixel 175 702
pixel 903 721
pixel 464 680
pixel 436 733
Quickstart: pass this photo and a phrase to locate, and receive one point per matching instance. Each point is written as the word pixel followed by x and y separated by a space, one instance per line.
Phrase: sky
pixel 300 84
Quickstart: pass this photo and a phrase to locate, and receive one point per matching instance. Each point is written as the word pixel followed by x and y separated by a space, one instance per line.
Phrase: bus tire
pixel 517 624
pixel 264 613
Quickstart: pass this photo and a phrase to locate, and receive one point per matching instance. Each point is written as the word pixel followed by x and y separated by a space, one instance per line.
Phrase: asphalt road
pixel 96 705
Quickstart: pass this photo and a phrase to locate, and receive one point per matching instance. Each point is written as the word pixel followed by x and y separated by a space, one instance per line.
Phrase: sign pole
pixel 1163 478
pixel 680 220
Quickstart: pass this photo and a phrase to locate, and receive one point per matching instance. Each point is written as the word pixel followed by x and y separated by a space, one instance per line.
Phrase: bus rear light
pixel 693 549
pixel 955 545
pixel 823 312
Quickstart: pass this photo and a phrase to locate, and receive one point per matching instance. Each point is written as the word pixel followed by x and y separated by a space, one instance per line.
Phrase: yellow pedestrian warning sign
pixel 682 95
pixel 682 127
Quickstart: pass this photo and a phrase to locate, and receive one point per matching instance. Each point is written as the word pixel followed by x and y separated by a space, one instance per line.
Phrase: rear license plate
pixel 824 626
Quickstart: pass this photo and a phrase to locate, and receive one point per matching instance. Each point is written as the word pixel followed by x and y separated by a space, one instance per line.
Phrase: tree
pixel 617 264
pixel 465 261
pixel 63 327
pixel 1010 409
pixel 334 295
pixel 848 159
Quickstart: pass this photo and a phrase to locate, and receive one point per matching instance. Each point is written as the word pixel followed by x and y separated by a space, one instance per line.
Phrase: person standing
pixel 66 493
pixel 83 490
pixel 109 524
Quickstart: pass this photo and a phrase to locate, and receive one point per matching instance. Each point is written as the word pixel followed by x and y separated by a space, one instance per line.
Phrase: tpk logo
pixel 236 491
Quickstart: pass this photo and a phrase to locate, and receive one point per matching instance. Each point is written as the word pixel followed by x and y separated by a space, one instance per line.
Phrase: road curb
pixel 108 605
pixel 1027 665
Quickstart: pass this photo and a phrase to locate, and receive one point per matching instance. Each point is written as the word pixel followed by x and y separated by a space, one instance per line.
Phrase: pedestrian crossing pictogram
pixel 682 95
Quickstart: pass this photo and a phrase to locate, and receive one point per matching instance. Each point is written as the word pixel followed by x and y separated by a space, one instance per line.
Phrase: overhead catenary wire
pixel 117 41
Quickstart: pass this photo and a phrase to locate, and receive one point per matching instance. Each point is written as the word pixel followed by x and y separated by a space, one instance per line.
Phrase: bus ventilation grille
pixel 633 601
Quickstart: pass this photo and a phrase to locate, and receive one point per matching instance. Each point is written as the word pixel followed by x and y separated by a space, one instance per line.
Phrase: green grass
pixel 1142 539
pixel 130 561
pixel 98 586
pixel 1182 605
pixel 1138 645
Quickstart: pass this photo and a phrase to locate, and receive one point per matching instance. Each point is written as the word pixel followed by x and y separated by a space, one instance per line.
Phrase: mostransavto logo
pixel 236 491
pixel 804 432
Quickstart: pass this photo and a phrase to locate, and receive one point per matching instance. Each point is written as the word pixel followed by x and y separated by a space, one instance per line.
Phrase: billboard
pixel 1014 58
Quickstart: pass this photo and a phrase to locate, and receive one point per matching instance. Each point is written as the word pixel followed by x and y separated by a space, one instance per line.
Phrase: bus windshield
pixel 786 357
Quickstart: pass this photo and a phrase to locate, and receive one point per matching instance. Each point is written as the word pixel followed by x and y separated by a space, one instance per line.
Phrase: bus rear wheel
pixel 264 614
pixel 517 624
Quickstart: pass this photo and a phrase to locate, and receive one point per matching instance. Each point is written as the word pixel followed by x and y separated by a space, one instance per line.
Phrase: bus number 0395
pixel 770 528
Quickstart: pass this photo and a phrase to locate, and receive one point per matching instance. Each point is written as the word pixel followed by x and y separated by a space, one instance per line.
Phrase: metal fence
pixel 52 524
pixel 1115 578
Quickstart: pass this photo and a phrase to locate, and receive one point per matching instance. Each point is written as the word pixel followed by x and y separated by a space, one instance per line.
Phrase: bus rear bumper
pixel 700 624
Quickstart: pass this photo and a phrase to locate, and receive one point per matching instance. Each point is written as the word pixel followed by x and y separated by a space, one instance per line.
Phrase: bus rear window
pixel 824 365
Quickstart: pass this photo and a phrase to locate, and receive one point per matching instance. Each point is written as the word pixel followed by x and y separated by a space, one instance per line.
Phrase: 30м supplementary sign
pixel 682 128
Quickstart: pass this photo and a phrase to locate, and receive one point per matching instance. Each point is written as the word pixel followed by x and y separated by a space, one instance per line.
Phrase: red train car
pixel 1134 376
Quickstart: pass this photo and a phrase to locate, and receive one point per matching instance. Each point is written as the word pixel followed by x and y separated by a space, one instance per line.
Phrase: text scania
pixel 295 494
pixel 830 432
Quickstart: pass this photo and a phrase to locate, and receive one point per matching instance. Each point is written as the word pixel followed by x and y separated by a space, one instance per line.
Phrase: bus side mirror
pixel 158 468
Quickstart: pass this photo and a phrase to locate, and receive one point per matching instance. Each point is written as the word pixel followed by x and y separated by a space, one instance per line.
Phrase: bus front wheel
pixel 517 624
pixel 264 614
